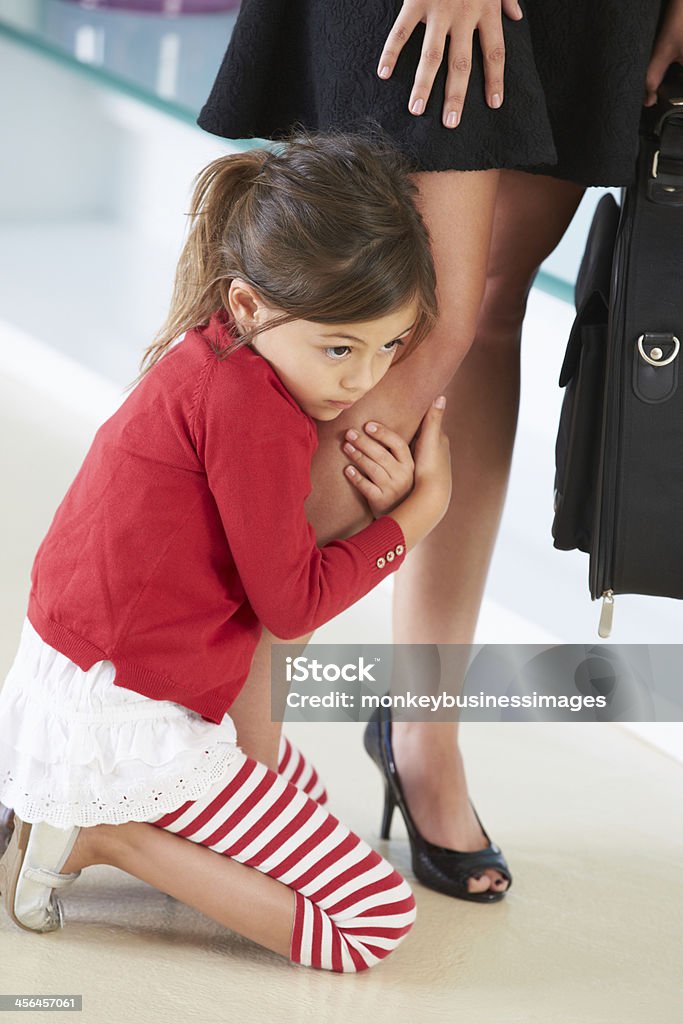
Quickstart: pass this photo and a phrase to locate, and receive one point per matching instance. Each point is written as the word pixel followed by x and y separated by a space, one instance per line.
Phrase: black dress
pixel 574 84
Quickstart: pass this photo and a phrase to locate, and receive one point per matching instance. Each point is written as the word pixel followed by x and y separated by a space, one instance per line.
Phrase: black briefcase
pixel 619 452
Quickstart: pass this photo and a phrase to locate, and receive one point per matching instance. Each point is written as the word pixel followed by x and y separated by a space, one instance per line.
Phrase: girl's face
pixel 325 367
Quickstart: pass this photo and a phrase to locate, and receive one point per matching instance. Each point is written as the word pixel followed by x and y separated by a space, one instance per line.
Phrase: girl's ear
pixel 245 304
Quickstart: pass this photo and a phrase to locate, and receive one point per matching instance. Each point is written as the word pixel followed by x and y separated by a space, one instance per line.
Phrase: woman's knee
pixel 503 308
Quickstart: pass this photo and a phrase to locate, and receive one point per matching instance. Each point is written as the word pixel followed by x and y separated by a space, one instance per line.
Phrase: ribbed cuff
pixel 383 544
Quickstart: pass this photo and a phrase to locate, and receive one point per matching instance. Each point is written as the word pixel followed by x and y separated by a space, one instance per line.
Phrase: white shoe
pixel 6 826
pixel 29 874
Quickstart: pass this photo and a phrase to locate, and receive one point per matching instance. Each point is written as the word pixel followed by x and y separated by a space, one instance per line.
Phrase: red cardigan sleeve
pixel 257 460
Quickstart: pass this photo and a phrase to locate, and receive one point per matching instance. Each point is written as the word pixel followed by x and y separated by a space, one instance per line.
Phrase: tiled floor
pixel 585 813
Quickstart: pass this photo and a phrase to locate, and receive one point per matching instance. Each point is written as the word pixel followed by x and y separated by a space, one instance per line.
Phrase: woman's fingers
pixel 457 19
pixel 493 52
pixel 663 55
pixel 512 10
pixel 458 77
pixel 668 48
pixel 399 34
pixel 430 61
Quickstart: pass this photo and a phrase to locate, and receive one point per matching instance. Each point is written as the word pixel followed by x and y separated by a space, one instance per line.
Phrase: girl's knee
pixel 383 925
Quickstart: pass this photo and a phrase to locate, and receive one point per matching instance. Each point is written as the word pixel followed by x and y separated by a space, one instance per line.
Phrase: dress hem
pixel 61 814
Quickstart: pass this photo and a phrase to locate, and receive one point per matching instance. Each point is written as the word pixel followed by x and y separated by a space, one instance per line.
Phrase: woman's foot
pixel 432 774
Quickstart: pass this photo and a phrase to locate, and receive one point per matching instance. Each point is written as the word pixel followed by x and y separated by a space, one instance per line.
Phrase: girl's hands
pixel 457 19
pixel 382 468
pixel 667 49
pixel 385 473
pixel 433 460
pixel 427 504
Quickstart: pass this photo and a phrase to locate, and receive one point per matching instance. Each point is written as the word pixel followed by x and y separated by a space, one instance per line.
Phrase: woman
pixel 543 104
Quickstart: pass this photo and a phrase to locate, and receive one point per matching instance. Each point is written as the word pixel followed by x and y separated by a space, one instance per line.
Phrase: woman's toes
pixel 478 883
pixel 498 882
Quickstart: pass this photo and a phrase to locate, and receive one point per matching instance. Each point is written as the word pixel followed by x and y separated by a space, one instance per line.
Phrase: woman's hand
pixel 382 467
pixel 457 19
pixel 667 49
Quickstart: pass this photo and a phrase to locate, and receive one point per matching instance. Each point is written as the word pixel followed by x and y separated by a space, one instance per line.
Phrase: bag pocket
pixel 577 449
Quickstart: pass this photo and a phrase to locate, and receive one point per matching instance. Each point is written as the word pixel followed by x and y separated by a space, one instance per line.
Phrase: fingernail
pixel 352 435
pixel 384 72
pixel 417 107
pixel 440 402
pixel 452 119
pixel 350 470
pixel 520 12
pixel 496 100
pixel 349 449
pixel 371 428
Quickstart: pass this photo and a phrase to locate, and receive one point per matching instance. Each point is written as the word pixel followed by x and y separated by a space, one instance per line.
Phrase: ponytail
pixel 202 280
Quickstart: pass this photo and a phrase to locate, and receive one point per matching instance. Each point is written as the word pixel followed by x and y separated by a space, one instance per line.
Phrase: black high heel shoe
pixel 437 867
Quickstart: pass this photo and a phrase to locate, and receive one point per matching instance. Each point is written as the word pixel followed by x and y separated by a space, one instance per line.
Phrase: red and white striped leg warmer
pixel 293 766
pixel 352 907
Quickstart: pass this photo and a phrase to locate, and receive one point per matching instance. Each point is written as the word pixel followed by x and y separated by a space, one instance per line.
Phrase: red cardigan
pixel 184 532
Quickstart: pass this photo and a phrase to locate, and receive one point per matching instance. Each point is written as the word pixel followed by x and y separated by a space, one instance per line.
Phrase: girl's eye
pixel 338 351
pixel 391 346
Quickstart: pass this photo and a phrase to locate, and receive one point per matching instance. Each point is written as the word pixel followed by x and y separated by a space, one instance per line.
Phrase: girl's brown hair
pixel 324 229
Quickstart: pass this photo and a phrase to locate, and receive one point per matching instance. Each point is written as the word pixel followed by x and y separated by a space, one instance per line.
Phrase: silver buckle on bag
pixel 653 177
pixel 655 356
pixel 655 164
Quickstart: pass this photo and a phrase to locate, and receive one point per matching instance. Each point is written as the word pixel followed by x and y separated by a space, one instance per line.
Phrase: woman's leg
pixel 318 895
pixel 439 590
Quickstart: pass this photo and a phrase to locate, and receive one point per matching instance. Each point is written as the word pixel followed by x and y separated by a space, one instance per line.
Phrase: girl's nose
pixel 360 378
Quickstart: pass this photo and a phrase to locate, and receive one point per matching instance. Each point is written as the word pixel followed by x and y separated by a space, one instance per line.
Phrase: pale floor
pixel 587 814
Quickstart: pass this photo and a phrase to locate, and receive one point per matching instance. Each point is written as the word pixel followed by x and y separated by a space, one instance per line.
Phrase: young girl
pixel 306 270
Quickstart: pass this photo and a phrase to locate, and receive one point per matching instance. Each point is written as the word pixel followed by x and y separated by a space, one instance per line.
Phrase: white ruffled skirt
pixel 77 750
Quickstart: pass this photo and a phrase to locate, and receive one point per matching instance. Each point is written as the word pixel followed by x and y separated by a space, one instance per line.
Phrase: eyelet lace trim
pixel 146 801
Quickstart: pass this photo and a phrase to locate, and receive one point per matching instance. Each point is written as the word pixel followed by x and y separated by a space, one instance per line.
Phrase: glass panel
pixel 167 60
pixel 558 273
